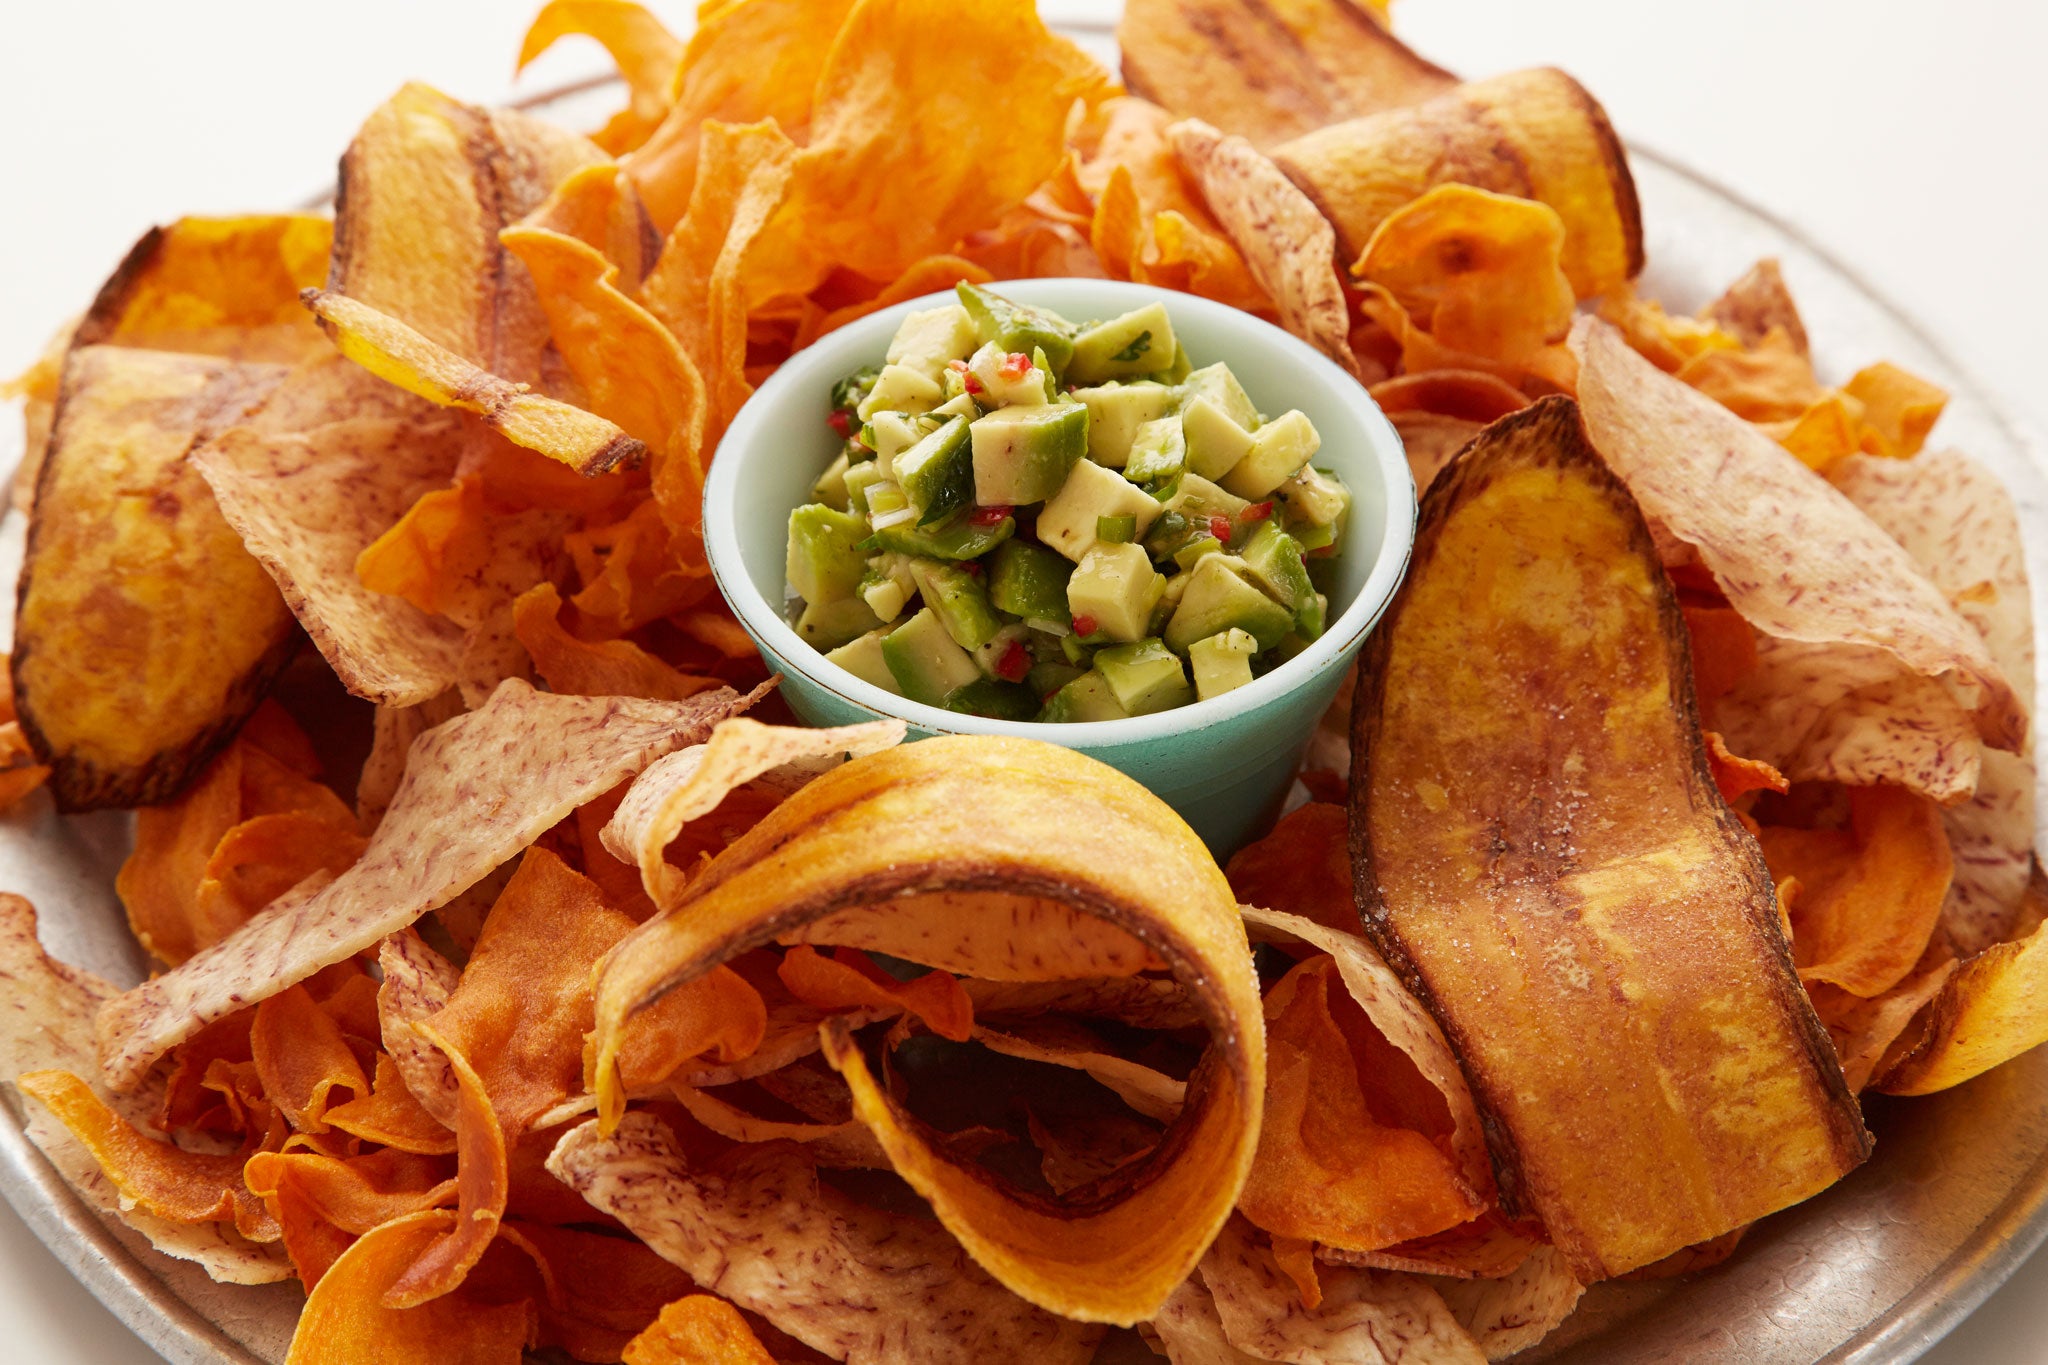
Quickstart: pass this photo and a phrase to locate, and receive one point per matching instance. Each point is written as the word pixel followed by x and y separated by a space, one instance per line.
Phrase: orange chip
pixel 1303 867
pixel 698 1330
pixel 303 1058
pixel 262 858
pixel 1825 434
pixel 608 668
pixel 1665 341
pixel 1470 395
pixel 345 1320
pixel 718 1017
pixel 323 1204
pixel 1481 272
pixel 1772 382
pixel 1739 776
pixel 647 54
pixel 602 1292
pixel 1869 896
pixel 850 980
pixel 392 1115
pixel 628 573
pixel 1989 1011
pixel 1345 1156
pixel 1899 409
pixel 1723 651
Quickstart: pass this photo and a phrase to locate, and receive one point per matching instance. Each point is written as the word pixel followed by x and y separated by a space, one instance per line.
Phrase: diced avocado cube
pixel 830 488
pixel 1216 443
pixel 823 562
pixel 900 388
pixel 929 338
pixel 863 659
pixel 1279 448
pixel 858 480
pixel 1068 520
pixel 925 661
pixel 937 474
pixel 1220 595
pixel 1018 327
pixel 959 537
pixel 1217 384
pixel 1001 386
pixel 1048 677
pixel 1086 698
pixel 1116 411
pixel 889 434
pixel 1146 677
pixel 1030 582
pixel 1222 663
pixel 887 586
pixel 996 699
pixel 1275 561
pixel 1158 452
pixel 828 625
pixel 1023 454
pixel 1139 342
pixel 1117 587
pixel 1118 530
pixel 1187 554
pixel 1179 370
pixel 1198 500
pixel 1313 497
pixel 958 599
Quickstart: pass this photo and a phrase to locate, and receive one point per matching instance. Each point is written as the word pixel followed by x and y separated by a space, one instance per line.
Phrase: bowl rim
pixel 871 333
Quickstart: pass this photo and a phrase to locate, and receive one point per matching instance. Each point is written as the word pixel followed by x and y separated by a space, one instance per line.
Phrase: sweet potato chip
pixel 345 1321
pixel 1489 1247
pixel 852 1281
pixel 1767 382
pixel 608 668
pixel 1527 956
pixel 600 1291
pixel 1533 134
pixel 538 756
pixel 849 980
pixel 1899 409
pixel 1735 776
pixel 323 1204
pixel 1848 632
pixel 1469 395
pixel 647 54
pixel 698 1330
pixel 224 287
pixel 1271 72
pixel 303 1059
pixel 145 631
pixel 1518 1310
pixel 691 783
pixel 1287 245
pixel 1864 1030
pixel 1302 868
pixel 1989 1011
pixel 1955 518
pixel 262 858
pixel 391 1116
pixel 483 1185
pixel 309 481
pixel 1479 271
pixel 1757 305
pixel 901 820
pixel 395 352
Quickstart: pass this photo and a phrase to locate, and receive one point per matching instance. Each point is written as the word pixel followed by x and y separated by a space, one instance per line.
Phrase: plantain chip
pixel 216 286
pixel 1533 134
pixel 1038 820
pixel 145 632
pixel 1865 671
pixel 1271 72
pixel 760 1229
pixel 1589 866
pixel 537 755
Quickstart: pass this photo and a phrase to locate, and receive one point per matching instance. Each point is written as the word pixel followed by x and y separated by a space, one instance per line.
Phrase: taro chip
pixel 345 1320
pixel 547 755
pixel 1757 305
pixel 1479 271
pixel 1286 242
pixel 1517 1310
pixel 1432 441
pixel 760 1229
pixel 698 1330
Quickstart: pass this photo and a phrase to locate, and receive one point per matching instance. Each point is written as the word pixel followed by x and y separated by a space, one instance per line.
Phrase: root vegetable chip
pixel 1899 409
pixel 1468 395
pixel 309 482
pixel 1989 1011
pixel 1431 442
pixel 1533 134
pixel 1518 1310
pixel 324 1203
pixel 1479 271
pixel 1757 305
pixel 393 351
pixel 829 1144
pixel 1287 245
pixel 145 631
pixel 1958 523
pixel 1655 934
pixel 224 287
pixel 1870 895
pixel 974 814
pixel 698 1330
pixel 345 1321
pixel 616 668
pixel 849 980
pixel 1864 1030
pixel 1302 868
pixel 532 756
pixel 1151 1093
pixel 1767 382
pixel 1850 631
pixel 302 1059
pixel 759 1229
pixel 417 983
pixel 991 935
pixel 1488 1247
pixel 1271 72
pixel 647 54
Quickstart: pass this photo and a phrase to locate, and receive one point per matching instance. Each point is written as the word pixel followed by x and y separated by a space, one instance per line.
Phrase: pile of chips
pixel 526 981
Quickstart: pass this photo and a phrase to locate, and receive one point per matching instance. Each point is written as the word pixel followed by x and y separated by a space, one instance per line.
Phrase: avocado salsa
pixel 1031 519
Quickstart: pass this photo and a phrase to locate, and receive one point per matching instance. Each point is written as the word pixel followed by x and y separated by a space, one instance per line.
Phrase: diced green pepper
pixel 959 538
pixel 1018 327
pixel 1030 583
pixel 1116 530
pixel 957 598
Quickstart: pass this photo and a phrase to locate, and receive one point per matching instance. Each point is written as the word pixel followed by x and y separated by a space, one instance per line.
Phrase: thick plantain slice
pixel 145 631
pixel 1270 70
pixel 1590 923
pixel 1533 134
pixel 227 287
pixel 1013 816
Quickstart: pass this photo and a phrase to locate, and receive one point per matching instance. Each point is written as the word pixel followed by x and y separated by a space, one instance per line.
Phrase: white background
pixel 1912 140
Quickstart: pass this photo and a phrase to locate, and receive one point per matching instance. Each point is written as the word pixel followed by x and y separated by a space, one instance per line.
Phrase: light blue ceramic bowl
pixel 1223 763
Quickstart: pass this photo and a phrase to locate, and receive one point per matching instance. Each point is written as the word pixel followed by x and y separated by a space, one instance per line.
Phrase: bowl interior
pixel 779 444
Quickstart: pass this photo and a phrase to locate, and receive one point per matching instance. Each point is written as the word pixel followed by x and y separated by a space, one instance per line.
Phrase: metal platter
pixel 1872 1272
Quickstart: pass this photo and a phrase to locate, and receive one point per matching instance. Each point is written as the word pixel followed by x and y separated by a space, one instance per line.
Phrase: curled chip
pixel 1533 134
pixel 1649 1068
pixel 1012 817
pixel 216 286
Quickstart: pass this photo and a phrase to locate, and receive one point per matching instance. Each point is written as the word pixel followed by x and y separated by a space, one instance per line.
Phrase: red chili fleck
pixel 957 366
pixel 1219 526
pixel 989 516
pixel 1015 366
pixel 972 569
pixel 971 384
pixel 1258 511
pixel 841 421
pixel 1084 624
pixel 1015 663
